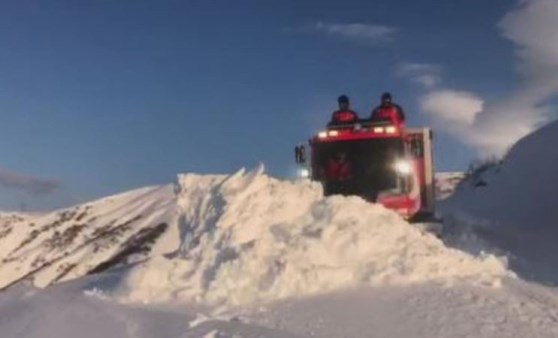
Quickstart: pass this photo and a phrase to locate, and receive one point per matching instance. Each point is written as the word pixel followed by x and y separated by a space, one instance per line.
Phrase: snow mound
pixel 523 191
pixel 515 212
pixel 249 237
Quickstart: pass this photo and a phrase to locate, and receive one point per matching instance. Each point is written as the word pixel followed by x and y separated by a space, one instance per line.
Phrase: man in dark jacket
pixel 388 111
pixel 344 115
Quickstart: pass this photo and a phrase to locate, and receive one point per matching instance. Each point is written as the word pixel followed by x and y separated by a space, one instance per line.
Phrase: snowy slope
pixel 516 212
pixel 74 242
pixel 446 183
pixel 524 191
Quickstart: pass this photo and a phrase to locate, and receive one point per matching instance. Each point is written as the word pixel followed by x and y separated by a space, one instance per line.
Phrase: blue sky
pixel 104 96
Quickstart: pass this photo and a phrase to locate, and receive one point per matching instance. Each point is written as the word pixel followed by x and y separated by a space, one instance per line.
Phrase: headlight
pixel 391 130
pixel 322 134
pixel 304 173
pixel 378 130
pixel 403 167
pixel 333 133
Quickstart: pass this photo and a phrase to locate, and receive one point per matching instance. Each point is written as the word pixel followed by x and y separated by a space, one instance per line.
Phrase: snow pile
pixel 523 191
pixel 249 237
pixel 515 212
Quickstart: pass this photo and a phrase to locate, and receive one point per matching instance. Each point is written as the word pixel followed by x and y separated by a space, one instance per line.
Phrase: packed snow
pixel 422 310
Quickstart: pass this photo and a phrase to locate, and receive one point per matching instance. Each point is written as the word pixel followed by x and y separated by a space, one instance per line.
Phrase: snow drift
pixel 515 211
pixel 249 237
pixel 524 190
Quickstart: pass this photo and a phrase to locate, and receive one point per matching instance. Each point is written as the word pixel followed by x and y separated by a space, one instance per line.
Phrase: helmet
pixel 343 99
pixel 386 97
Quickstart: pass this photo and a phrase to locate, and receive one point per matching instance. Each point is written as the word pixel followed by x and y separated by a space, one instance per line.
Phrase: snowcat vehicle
pixel 378 161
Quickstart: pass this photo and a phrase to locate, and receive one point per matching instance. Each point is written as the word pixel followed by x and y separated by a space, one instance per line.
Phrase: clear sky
pixel 104 96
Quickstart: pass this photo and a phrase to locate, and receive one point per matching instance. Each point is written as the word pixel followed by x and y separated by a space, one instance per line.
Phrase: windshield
pixel 363 167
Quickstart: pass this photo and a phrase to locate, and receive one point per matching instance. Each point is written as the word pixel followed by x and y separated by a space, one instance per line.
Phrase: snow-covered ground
pixel 76 309
pixel 247 255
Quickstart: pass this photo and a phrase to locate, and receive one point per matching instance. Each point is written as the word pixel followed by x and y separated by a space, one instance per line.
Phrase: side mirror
pixel 417 147
pixel 300 154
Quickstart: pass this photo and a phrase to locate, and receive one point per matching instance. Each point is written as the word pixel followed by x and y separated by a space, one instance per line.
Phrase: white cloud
pixel 532 25
pixel 456 108
pixel 28 184
pixel 424 74
pixel 357 31
pixel 489 128
pixel 492 127
pixel 503 123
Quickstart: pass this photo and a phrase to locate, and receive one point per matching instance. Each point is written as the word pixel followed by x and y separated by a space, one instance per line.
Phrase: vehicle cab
pixel 380 162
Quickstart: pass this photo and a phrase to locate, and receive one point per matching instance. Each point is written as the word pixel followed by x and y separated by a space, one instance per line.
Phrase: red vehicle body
pixel 391 164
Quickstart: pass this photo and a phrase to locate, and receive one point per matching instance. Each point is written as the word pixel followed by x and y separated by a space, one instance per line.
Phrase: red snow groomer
pixel 380 162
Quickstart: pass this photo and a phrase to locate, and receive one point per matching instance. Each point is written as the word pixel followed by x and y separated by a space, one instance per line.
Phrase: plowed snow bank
pixel 249 237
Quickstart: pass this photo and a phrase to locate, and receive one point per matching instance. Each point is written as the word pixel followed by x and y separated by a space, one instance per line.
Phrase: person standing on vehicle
pixel 344 115
pixel 388 111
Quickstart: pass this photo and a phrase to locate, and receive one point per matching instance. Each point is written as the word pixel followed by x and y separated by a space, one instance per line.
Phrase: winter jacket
pixel 343 117
pixel 392 113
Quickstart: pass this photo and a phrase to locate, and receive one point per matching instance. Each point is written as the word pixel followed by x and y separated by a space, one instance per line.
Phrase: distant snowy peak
pixel 84 239
pixel 446 183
